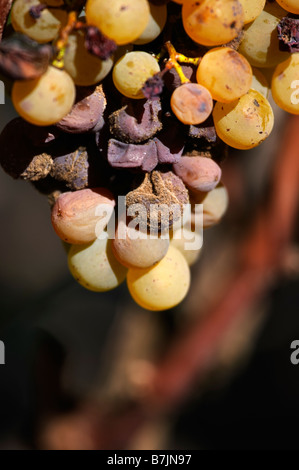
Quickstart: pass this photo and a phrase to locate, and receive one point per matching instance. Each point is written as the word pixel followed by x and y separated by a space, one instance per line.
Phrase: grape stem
pixel 174 59
pixel 62 41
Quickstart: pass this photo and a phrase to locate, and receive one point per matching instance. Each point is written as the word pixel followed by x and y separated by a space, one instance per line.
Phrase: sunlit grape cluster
pixel 141 99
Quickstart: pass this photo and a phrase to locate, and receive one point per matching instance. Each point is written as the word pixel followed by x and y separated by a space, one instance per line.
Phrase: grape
pixel 260 83
pixel 86 113
pixel 182 239
pixel 245 123
pixel 198 173
pixel 131 72
pixel 212 22
pixel 95 267
pixel 74 216
pixel 290 5
pixel 252 9
pixel 136 121
pixel 260 44
pixel 133 251
pixel 162 286
pixel 191 103
pixel 215 204
pixel 84 68
pixel 225 73
pixel 45 100
pixel 121 20
pixel 157 20
pixel 285 84
pixel 42 30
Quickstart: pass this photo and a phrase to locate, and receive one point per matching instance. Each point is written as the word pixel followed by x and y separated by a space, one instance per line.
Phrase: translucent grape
pixel 285 84
pixel 191 103
pixel 245 123
pixel 45 28
pixel 95 267
pixel 215 205
pixel 164 285
pixel 84 68
pixel 290 5
pixel 157 20
pixel 252 9
pixel 133 251
pixel 260 83
pixel 212 22
pixel 260 44
pixel 45 100
pixel 225 73
pixel 182 240
pixel 131 72
pixel 121 20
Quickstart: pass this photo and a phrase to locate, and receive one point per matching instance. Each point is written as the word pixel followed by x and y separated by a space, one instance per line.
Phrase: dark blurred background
pixel 71 353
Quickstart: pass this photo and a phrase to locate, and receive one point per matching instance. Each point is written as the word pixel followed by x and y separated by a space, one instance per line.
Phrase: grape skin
pixel 157 20
pixel 44 29
pixel 131 72
pixel 290 5
pixel 162 286
pixel 84 68
pixel 133 251
pixel 245 123
pixel 252 9
pixel 191 103
pixel 185 237
pixel 94 266
pixel 286 75
pixel 259 82
pixel 121 20
pixel 225 73
pixel 45 100
pixel 212 22
pixel 260 44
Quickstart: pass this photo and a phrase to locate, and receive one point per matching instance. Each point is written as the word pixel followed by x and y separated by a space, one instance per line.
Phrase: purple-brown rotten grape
pixel 191 103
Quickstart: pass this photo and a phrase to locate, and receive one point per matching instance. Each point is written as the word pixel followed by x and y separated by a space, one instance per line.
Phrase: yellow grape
pixel 121 20
pixel 260 82
pixel 290 5
pixel 212 22
pixel 260 44
pixel 164 285
pixel 95 267
pixel 157 20
pixel 136 249
pixel 131 72
pixel 252 9
pixel 225 73
pixel 84 68
pixel 191 103
pixel 42 30
pixel 45 100
pixel 215 205
pixel 183 239
pixel 245 123
pixel 285 84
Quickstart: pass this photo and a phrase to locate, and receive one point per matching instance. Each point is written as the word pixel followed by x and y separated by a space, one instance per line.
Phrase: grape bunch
pixel 141 99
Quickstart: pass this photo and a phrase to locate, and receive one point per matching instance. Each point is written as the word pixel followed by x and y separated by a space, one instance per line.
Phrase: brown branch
pixel 5 6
